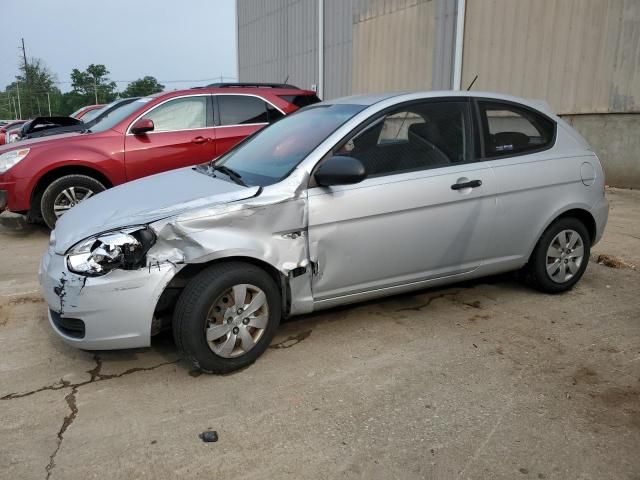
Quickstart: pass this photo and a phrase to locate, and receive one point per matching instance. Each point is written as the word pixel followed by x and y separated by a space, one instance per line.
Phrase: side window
pixel 413 137
pixel 274 113
pixel 512 130
pixel 180 114
pixel 241 110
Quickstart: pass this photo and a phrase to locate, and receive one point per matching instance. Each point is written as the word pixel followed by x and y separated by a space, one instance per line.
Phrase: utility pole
pixel 38 101
pixel 95 89
pixel 15 110
pixel 19 106
pixel 26 71
pixel 49 102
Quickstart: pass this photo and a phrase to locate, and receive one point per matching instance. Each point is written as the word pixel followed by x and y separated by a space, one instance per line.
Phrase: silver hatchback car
pixel 344 201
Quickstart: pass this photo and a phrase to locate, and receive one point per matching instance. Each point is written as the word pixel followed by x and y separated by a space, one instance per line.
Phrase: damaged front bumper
pixel 113 311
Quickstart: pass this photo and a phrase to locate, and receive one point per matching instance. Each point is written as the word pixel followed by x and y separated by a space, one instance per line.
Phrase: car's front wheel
pixel 227 316
pixel 64 193
pixel 560 257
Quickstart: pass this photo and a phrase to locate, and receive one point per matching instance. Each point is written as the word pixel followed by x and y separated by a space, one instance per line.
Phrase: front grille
pixel 72 327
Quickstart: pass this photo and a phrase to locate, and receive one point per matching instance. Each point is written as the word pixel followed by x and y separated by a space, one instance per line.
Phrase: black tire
pixel 61 184
pixel 192 308
pixel 535 271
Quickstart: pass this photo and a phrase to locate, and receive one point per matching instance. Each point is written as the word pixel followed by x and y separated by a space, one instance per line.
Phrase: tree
pixel 93 84
pixel 31 93
pixel 142 87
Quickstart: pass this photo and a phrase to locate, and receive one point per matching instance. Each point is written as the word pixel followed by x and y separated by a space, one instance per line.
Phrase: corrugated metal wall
pixel 276 39
pixel 446 14
pixel 337 47
pixel 403 44
pixel 393 45
pixel 279 38
pixel 582 56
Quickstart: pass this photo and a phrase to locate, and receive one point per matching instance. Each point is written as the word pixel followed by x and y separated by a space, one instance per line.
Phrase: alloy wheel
pixel 70 197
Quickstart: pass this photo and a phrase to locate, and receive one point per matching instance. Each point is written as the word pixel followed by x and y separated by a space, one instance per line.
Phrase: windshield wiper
pixel 232 174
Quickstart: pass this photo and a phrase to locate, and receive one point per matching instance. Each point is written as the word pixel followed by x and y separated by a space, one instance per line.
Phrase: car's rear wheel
pixel 66 192
pixel 226 316
pixel 560 257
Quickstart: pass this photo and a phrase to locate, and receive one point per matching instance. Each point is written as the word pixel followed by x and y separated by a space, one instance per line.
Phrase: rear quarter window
pixel 512 130
pixel 301 101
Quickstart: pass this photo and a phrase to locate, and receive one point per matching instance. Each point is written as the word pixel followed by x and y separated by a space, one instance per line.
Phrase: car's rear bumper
pixel 600 212
pixel 114 311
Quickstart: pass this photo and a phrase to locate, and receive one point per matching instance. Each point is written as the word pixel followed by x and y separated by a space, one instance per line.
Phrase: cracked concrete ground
pixel 482 380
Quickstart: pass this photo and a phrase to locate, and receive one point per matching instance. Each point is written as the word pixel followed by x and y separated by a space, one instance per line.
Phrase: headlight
pixel 125 249
pixel 9 159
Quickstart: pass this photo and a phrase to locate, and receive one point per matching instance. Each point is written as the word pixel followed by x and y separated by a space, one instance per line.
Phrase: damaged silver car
pixel 344 201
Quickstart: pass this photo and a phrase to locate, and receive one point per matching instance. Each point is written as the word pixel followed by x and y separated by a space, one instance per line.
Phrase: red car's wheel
pixel 66 192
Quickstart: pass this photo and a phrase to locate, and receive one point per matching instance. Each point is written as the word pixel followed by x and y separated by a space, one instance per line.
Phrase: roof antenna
pixel 286 80
pixel 472 82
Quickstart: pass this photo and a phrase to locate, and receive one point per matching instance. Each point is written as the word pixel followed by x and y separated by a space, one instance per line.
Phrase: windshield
pixel 115 116
pixel 272 153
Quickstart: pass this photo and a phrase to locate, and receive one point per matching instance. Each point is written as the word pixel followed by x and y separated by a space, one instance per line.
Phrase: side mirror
pixel 340 170
pixel 142 126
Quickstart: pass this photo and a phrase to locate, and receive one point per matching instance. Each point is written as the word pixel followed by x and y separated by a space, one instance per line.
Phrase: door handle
pixel 469 184
pixel 200 139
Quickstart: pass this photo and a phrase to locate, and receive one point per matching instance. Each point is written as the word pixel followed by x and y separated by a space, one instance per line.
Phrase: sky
pixel 178 42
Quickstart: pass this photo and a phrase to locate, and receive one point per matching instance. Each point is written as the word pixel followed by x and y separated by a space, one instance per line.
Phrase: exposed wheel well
pixel 192 269
pixel 585 217
pixel 52 175
pixel 168 299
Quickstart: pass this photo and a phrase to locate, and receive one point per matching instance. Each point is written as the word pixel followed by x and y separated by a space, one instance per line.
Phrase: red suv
pixel 47 176
pixel 9 126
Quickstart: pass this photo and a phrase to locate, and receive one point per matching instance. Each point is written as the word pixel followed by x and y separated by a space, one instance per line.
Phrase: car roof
pixel 373 98
pixel 258 90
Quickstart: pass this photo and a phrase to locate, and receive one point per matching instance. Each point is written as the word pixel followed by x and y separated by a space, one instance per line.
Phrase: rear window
pixel 301 100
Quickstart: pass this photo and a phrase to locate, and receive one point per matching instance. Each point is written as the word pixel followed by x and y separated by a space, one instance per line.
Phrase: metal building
pixel 581 56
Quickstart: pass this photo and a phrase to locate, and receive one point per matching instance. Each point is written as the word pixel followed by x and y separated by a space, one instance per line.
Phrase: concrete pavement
pixel 482 380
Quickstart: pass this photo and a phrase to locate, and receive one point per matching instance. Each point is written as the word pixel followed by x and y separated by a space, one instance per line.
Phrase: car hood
pixel 144 201
pixel 44 142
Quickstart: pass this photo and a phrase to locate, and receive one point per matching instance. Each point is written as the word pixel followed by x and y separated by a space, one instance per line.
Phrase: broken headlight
pixel 124 249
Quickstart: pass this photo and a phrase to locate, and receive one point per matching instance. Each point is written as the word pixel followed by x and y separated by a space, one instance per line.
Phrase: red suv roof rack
pixel 251 85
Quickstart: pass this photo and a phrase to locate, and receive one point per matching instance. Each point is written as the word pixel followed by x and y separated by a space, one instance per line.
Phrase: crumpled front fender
pixel 270 228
